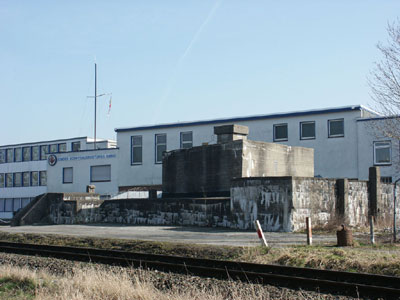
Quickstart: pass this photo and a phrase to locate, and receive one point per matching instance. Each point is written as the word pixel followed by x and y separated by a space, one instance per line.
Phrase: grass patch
pixel 18 289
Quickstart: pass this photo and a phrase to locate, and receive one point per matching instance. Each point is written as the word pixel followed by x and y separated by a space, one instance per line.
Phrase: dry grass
pixel 365 259
pixel 97 284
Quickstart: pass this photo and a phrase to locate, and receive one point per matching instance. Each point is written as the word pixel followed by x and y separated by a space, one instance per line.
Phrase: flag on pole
pixel 109 106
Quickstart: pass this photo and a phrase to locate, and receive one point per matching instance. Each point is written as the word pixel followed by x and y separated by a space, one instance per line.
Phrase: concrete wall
pixel 267 199
pixel 315 198
pixel 279 203
pixel 208 170
pixel 269 159
pixel 194 212
pixel 282 204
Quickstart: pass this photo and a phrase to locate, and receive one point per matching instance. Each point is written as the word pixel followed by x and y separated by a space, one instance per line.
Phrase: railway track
pixel 343 283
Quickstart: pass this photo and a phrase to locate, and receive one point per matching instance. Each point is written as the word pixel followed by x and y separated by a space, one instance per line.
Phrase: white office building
pixel 24 168
pixel 343 139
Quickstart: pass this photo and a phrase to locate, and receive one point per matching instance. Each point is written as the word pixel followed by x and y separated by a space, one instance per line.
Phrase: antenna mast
pixel 95 103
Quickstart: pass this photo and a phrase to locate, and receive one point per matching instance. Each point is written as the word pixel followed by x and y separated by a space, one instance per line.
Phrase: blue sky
pixel 168 61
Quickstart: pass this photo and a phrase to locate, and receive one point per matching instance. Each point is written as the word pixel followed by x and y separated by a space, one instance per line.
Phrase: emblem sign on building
pixel 52 160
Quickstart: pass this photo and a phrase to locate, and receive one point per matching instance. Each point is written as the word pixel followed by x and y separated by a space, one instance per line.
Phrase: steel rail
pixel 338 282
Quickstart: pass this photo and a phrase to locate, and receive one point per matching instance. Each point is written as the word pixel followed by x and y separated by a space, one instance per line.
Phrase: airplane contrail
pixel 172 78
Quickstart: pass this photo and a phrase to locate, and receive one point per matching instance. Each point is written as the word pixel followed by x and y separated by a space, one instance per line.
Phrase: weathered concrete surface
pixel 208 170
pixel 268 200
pixel 212 212
pixel 262 159
pixel 202 171
pixel 229 133
pixel 315 198
pixel 173 234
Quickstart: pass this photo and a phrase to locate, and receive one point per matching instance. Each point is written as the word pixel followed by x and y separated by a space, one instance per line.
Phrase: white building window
pixel 26 153
pixel 76 146
pixel 62 147
pixel 161 147
pixel 336 128
pixel 8 204
pixel 2 156
pixel 18 154
pixel 186 140
pixel 10 155
pixel 54 148
pixel 2 201
pixel 44 150
pixel 35 178
pixel 382 153
pixel 9 180
pixel 280 132
pixel 67 175
pixel 100 173
pixel 137 150
pixel 2 180
pixel 26 179
pixel 43 178
pixel 17 204
pixel 307 130
pixel 35 153
pixel 18 179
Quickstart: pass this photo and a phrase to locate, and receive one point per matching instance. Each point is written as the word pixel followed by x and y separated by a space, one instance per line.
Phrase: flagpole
pixel 95 103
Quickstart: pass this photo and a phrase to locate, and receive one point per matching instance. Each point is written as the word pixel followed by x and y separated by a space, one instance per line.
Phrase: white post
pixel 371 229
pixel 261 234
pixel 309 231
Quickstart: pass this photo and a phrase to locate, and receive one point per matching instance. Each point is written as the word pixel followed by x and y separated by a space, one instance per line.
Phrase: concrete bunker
pixel 208 170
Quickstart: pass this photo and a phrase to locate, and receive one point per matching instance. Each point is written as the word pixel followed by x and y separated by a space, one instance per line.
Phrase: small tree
pixel 384 81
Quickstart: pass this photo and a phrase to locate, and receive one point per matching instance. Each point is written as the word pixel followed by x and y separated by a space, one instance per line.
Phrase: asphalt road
pixel 196 235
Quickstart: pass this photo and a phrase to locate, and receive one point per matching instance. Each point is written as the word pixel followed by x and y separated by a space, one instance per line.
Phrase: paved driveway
pixel 197 235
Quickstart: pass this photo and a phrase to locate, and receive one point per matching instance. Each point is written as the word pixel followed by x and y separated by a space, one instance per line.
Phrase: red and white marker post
pixel 309 231
pixel 261 234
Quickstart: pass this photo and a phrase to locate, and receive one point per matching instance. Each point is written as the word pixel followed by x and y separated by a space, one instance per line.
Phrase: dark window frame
pixel 159 144
pixel 301 130
pixel 17 158
pixel 76 143
pixel 182 142
pixel 9 175
pixel 16 182
pixel 37 183
pixel 390 153
pixel 136 146
pixel 30 153
pixel 23 179
pixel 275 139
pixel 63 175
pixel 3 156
pixel 47 148
pixel 41 178
pixel 11 160
pixel 329 128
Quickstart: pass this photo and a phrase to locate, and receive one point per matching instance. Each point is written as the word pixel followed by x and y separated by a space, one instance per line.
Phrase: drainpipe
pixel 394 211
